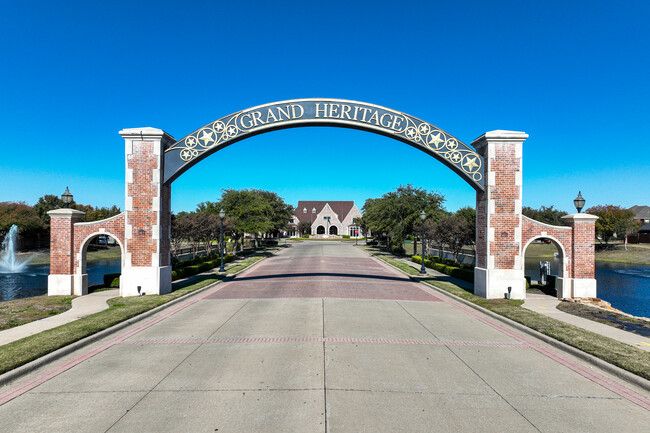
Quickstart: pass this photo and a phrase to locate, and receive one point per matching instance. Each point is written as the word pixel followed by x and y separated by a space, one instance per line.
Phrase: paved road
pixel 321 338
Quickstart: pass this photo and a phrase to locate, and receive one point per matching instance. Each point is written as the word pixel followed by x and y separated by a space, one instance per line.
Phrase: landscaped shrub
pixel 346 236
pixel 527 277
pixel 209 262
pixel 112 280
pixel 305 236
pixel 455 271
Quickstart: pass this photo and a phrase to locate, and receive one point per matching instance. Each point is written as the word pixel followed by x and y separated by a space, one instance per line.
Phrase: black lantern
pixel 66 197
pixel 579 202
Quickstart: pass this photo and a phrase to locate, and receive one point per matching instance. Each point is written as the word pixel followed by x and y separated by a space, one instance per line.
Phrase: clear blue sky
pixel 572 74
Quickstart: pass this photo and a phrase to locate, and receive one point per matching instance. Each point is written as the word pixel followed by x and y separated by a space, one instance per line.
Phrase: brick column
pixel 61 279
pixel 499 261
pixel 146 262
pixel 582 280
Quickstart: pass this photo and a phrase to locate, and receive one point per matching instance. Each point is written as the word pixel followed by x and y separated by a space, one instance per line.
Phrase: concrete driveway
pixel 321 338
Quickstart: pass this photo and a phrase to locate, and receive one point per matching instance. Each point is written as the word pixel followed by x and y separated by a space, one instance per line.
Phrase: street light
pixel 66 197
pixel 579 202
pixel 222 214
pixel 328 225
pixel 423 216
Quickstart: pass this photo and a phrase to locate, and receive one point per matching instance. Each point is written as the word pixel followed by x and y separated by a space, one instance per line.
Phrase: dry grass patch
pixel 20 311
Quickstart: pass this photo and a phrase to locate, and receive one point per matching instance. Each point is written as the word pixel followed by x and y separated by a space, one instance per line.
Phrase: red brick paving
pixel 322 277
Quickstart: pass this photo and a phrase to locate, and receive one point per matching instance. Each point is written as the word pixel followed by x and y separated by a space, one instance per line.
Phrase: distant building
pixel 326 218
pixel 641 214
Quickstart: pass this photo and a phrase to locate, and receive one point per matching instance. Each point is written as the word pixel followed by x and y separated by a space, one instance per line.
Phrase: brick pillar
pixel 582 281
pixel 499 261
pixel 61 280
pixel 146 262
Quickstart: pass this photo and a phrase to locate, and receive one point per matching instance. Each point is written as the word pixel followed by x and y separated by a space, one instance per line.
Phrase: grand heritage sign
pixel 223 132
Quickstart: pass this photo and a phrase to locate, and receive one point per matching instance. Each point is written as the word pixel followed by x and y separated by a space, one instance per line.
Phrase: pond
pixel 625 286
pixel 33 281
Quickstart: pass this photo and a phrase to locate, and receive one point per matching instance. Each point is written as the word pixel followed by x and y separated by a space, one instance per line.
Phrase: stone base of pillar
pixel 494 283
pixel 584 288
pixel 152 280
pixel 60 285
pixel 80 284
pixel 563 287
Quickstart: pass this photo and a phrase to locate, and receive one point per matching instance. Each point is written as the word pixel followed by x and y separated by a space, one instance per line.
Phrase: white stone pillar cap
pixel 146 132
pixel 580 217
pixel 502 135
pixel 65 213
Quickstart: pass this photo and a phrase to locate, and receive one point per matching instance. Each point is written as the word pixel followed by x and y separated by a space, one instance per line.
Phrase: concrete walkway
pixel 545 304
pixel 82 306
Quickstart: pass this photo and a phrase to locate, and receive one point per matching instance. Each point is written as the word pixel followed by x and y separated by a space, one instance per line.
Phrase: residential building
pixel 327 218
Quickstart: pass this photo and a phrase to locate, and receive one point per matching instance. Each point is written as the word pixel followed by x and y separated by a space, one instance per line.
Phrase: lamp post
pixel 222 214
pixel 328 225
pixel 423 216
pixel 66 197
pixel 579 202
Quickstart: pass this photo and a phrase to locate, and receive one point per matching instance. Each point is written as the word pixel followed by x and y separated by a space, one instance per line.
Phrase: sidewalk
pixel 81 306
pixel 544 304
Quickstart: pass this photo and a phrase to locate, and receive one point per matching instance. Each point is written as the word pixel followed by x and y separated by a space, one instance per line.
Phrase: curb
pixel 604 365
pixel 25 369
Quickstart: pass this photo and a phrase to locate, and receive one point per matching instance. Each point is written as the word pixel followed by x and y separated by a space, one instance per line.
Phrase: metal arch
pixel 230 129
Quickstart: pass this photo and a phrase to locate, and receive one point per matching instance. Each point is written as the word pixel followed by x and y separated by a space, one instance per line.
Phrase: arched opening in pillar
pixel 320 230
pixel 334 230
pixel 544 266
pixel 100 255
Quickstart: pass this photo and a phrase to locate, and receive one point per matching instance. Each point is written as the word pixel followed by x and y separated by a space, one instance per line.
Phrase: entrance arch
pixel 334 230
pixel 492 165
pixel 320 230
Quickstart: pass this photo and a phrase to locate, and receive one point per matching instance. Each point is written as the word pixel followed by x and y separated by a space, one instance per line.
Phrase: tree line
pixel 34 222
pixel 613 221
pixel 256 212
pixel 395 217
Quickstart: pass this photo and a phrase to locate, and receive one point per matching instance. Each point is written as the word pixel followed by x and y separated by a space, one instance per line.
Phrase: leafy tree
pixel 468 214
pixel 251 211
pixel 304 228
pixel 453 232
pixel 397 213
pixel 546 215
pixel 45 204
pixel 612 220
pixel 100 213
pixel 20 214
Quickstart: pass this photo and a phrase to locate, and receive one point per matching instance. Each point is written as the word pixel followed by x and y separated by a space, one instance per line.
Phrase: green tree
pixel 612 221
pixel 20 214
pixel 251 211
pixel 546 215
pixel 45 204
pixel 396 214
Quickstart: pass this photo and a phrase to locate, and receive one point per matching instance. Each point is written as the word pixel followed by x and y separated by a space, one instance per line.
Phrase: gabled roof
pixel 645 228
pixel 641 212
pixel 340 208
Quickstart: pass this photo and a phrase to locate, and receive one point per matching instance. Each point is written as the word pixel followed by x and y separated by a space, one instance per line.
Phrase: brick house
pixel 327 218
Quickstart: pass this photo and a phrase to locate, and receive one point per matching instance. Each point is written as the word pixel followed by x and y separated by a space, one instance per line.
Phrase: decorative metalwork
pixel 333 112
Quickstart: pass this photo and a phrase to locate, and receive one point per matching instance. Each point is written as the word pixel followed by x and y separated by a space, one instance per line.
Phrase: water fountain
pixel 8 262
